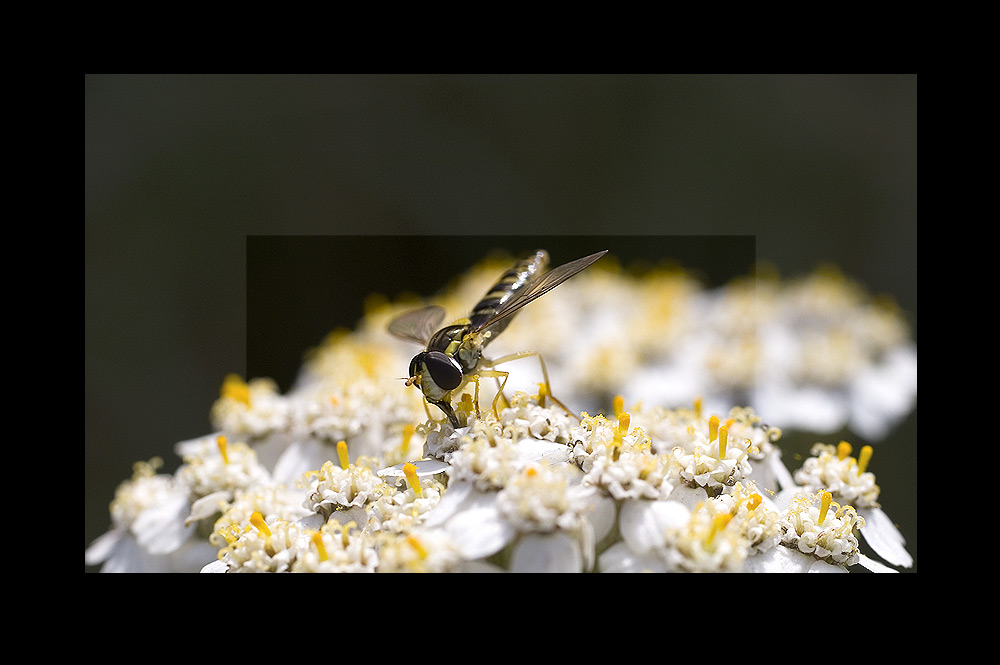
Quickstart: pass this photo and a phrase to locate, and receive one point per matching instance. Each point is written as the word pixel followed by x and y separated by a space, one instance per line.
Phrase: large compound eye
pixel 444 369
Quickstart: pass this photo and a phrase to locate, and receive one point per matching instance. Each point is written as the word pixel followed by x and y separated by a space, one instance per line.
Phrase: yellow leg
pixel 495 374
pixel 545 375
pixel 475 378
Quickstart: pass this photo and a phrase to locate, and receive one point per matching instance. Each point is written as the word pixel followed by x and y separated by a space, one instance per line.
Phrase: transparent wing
pixel 418 325
pixel 543 285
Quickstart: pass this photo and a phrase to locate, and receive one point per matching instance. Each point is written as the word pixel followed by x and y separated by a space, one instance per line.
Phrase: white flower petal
pixel 161 530
pixel 536 450
pixel 825 567
pixel 643 524
pixel 298 458
pixel 478 529
pixel 883 537
pixel 216 567
pixel 779 559
pixel 601 512
pixel 424 467
pixel 208 505
pixel 689 496
pixel 129 557
pixel 451 502
pixel 103 546
pixel 620 559
pixel 546 553
pixel 874 566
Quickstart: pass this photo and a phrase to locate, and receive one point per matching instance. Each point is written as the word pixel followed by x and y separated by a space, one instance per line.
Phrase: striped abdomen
pixel 509 285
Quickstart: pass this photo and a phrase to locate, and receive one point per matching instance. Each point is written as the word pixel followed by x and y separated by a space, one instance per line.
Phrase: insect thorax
pixel 455 341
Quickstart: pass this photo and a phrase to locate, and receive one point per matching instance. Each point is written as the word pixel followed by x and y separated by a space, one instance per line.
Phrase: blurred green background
pixel 183 171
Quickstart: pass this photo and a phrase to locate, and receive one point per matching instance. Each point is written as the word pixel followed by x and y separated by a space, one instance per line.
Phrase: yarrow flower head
pixel 215 465
pixel 402 510
pixel 147 516
pixel 343 485
pixel 419 551
pixel 757 520
pixel 250 411
pixel 833 469
pixel 710 460
pixel 337 548
pixel 620 460
pixel 485 458
pixel 544 498
pixel 263 548
pixel 815 524
pixel 273 502
pixel 526 417
pixel 709 542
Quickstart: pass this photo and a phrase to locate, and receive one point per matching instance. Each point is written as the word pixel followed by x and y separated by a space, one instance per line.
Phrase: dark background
pixel 182 172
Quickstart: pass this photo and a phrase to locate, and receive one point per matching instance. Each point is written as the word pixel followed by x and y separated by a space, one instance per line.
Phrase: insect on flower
pixel 453 355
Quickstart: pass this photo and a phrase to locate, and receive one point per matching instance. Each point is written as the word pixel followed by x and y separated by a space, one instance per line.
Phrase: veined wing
pixel 417 325
pixel 543 285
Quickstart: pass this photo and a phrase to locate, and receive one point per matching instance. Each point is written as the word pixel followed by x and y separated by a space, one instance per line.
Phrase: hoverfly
pixel 453 355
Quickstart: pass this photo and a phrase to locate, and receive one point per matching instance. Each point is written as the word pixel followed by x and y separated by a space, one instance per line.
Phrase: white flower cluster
pixel 815 353
pixel 351 471
pixel 833 469
pixel 811 527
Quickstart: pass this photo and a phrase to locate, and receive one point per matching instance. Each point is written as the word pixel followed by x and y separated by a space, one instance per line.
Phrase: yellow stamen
pixel 407 435
pixel 234 387
pixel 624 419
pixel 258 521
pixel 411 477
pixel 697 407
pixel 754 502
pixel 824 506
pixel 843 450
pixel 713 428
pixel 718 524
pixel 531 472
pixel 342 454
pixel 543 390
pixel 864 458
pixel 618 405
pixel 334 401
pixel 223 448
pixel 317 539
pixel 415 544
pixel 723 440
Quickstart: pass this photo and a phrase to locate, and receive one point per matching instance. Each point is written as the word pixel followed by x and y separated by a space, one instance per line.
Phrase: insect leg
pixel 475 378
pixel 547 387
pixel 496 374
